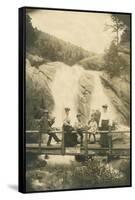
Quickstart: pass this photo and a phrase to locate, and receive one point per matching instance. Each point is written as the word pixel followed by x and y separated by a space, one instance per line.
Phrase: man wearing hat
pixel 52 134
pixel 104 125
pixel 79 127
pixel 43 122
pixel 45 125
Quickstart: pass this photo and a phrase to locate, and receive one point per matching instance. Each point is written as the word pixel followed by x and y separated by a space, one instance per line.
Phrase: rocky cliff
pixel 38 93
pixel 39 79
pixel 118 91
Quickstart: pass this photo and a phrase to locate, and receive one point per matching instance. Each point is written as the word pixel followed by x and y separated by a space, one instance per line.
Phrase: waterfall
pixel 64 90
pixel 99 97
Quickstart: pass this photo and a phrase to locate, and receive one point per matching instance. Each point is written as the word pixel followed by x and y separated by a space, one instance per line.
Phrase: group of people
pixel 72 132
pixel 98 121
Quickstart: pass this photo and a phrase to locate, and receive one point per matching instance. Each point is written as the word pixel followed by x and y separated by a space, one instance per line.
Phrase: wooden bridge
pixel 120 150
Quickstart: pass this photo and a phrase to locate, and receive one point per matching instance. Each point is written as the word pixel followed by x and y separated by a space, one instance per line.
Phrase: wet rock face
pixel 38 93
pixel 86 87
pixel 39 81
pixel 118 91
pixel 95 62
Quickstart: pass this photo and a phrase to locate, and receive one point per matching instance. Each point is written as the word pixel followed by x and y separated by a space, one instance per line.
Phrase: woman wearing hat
pixel 67 120
pixel 104 125
pixel 70 139
pixel 105 120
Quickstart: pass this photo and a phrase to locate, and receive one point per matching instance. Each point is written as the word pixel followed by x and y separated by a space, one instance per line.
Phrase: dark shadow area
pixel 13 187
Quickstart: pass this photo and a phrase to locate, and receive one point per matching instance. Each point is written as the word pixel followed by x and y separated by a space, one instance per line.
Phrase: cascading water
pixel 99 97
pixel 65 88
pixel 64 91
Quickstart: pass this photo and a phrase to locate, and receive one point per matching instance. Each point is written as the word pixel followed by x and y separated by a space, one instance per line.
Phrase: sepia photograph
pixel 77 99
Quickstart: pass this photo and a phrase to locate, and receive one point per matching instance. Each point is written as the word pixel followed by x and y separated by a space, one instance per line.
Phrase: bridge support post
pixel 110 145
pixel 86 144
pixel 62 144
pixel 45 129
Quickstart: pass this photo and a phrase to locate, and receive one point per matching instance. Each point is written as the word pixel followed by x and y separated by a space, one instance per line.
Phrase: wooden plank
pixel 56 150
pixel 93 153
pixel 58 147
pixel 60 132
pixel 128 131
pixel 90 146
pixel 43 146
pixel 72 150
pixel 37 131
pixel 44 151
pixel 32 131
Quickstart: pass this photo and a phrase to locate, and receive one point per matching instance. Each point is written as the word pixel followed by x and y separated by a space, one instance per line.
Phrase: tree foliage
pixel 116 27
pixel 111 57
pixel 50 47
pixel 114 62
pixel 120 23
pixel 30 33
pixel 124 21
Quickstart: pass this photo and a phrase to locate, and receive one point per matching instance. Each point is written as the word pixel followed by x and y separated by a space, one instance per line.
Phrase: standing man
pixel 105 124
pixel 79 127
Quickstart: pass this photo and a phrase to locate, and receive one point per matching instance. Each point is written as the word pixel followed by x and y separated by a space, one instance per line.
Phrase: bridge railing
pixel 86 133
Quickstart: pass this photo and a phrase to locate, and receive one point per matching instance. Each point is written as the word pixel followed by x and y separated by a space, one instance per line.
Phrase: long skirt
pixel 104 138
pixel 70 139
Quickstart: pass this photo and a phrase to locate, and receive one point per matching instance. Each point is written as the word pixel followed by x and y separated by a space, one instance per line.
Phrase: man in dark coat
pixel 52 134
pixel 46 127
pixel 43 122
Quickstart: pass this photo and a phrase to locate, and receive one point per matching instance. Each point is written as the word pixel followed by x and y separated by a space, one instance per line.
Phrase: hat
pixel 78 115
pixel 105 106
pixel 45 111
pixel 52 118
pixel 67 109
